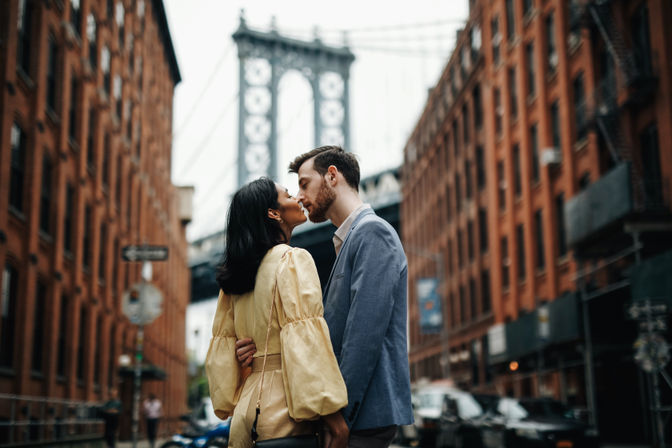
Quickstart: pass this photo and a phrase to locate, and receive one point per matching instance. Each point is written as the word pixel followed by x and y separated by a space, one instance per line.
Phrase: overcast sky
pixel 400 49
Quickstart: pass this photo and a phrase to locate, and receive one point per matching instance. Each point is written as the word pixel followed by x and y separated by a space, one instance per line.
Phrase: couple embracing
pixel 340 361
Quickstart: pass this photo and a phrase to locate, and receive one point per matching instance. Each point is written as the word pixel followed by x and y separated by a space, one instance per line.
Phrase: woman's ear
pixel 274 214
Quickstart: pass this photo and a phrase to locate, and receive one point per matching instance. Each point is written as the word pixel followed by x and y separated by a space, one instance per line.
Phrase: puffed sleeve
pixel 221 365
pixel 313 382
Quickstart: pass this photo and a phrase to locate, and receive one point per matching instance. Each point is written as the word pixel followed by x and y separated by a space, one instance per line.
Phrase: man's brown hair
pixel 325 156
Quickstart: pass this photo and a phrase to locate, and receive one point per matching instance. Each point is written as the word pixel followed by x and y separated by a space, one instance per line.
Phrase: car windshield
pixel 467 407
pixel 517 409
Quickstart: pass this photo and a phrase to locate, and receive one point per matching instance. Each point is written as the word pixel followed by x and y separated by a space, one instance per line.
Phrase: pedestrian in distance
pixel 270 292
pixel 110 412
pixel 153 412
pixel 365 298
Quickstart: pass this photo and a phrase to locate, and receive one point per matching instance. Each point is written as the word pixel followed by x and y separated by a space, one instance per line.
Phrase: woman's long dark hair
pixel 250 233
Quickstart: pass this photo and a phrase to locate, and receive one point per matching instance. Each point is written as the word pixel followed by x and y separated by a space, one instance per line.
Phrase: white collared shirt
pixel 342 231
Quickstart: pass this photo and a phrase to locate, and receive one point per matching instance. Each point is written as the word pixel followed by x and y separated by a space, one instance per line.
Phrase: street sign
pixel 643 310
pixel 652 353
pixel 142 303
pixel 144 253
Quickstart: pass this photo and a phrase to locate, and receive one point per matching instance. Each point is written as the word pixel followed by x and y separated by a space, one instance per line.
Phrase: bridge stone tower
pixel 264 58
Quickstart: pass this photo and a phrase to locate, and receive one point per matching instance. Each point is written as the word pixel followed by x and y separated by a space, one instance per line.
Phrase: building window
pixel 45 195
pixel 499 113
pixel 529 53
pixel 483 229
pixel 38 326
pixel 117 95
pixel 120 171
pixel 473 299
pixel 68 218
pixel 551 51
pixel 496 40
pixel 510 20
pixel 486 301
pixel 560 223
pixel 91 36
pixel 23 41
pixel 513 93
pixel 458 192
pixel 119 16
pixel 480 167
pixel 75 16
pixel 98 348
pixel 505 262
pixel 460 242
pixel 449 255
pixel 534 144
pixel 555 125
pixel 468 178
pixel 110 366
pixel 87 236
pixel 90 149
pixel 465 123
pixel 52 60
pixel 580 107
pixel 501 179
pixel 72 114
pixel 18 167
pixel 102 252
pixel 62 337
pixel 478 107
pixel 456 139
pixel 105 165
pixel 539 235
pixel 81 353
pixel 105 66
pixel 653 178
pixel 527 7
pixel 470 240
pixel 517 186
pixel 520 241
pixel 109 7
pixel 463 305
pixel 115 265
pixel 10 280
pixel 584 181
pixel 641 40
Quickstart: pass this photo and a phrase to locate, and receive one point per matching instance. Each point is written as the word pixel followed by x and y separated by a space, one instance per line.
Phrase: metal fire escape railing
pixel 33 421
pixel 603 106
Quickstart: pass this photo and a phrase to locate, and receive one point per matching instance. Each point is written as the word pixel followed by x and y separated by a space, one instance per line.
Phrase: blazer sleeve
pixel 221 366
pixel 313 383
pixel 376 268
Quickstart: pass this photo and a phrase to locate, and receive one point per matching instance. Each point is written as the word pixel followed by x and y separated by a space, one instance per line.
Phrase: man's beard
pixel 325 197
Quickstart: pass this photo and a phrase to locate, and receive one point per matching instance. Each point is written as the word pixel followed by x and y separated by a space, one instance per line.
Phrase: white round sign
pixel 142 303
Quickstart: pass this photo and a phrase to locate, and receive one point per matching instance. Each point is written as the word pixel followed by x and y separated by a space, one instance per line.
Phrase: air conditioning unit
pixel 551 156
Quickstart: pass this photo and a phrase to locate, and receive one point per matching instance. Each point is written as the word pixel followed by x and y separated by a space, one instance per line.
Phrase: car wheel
pixel 459 441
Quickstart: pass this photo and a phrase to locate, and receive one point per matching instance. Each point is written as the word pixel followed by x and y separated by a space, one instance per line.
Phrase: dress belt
pixel 273 362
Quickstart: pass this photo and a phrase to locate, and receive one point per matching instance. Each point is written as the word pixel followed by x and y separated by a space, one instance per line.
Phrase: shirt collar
pixel 344 228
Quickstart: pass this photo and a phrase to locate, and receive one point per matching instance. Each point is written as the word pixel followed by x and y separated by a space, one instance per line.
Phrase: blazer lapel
pixel 338 256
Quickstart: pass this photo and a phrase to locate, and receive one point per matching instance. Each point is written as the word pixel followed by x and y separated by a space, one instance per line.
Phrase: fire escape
pixel 615 91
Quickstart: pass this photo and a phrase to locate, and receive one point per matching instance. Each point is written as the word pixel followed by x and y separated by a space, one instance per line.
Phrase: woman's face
pixel 289 208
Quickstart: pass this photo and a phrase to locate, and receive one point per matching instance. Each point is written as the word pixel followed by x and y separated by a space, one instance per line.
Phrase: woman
pixel 302 381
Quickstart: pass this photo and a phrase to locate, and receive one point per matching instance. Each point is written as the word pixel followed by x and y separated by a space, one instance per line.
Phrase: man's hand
pixel 245 349
pixel 337 434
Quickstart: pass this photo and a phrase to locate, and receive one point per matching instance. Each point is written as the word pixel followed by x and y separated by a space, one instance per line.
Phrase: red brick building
pixel 85 161
pixel 539 150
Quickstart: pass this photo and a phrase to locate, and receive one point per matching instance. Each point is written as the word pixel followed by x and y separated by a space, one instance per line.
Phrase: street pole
pixel 136 383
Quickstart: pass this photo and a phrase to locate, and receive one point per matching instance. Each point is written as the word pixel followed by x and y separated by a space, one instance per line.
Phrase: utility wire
pixel 383 28
pixel 205 90
pixel 203 144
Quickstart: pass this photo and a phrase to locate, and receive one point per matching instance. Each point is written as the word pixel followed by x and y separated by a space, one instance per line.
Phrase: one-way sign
pixel 144 253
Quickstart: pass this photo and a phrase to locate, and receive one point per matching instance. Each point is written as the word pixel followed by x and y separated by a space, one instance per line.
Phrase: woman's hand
pixel 337 434
pixel 245 349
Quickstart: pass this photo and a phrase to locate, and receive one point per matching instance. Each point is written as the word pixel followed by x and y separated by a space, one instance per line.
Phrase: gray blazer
pixel 365 309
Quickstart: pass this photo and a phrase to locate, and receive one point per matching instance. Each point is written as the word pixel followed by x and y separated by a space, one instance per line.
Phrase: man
pixel 110 412
pixel 364 299
pixel 152 410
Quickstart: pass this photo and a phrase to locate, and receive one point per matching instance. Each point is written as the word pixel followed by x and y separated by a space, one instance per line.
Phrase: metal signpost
pixel 652 353
pixel 141 304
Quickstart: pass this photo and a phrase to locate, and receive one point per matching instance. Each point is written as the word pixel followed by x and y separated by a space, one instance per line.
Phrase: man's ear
pixel 274 214
pixel 332 172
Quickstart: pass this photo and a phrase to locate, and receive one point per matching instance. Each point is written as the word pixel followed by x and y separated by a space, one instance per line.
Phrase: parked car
pixel 440 404
pixel 458 426
pixel 534 422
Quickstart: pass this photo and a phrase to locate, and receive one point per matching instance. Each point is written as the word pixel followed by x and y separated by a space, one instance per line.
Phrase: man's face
pixel 314 192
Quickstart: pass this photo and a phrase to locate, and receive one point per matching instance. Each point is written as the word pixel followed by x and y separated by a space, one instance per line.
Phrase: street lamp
pixel 437 258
